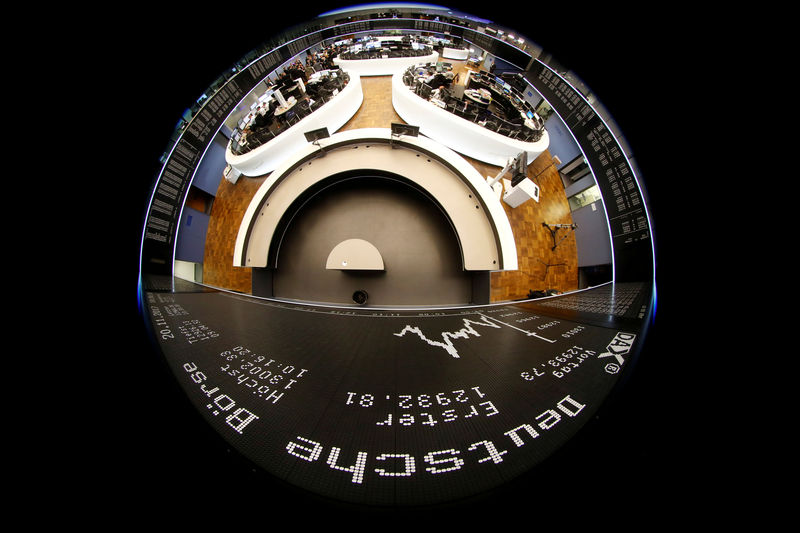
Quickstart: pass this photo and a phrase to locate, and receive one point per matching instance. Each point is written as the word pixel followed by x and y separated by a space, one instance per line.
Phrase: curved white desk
pixel 384 66
pixel 455 53
pixel 463 136
pixel 332 115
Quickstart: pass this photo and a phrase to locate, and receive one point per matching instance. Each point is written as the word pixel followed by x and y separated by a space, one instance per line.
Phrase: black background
pixel 146 454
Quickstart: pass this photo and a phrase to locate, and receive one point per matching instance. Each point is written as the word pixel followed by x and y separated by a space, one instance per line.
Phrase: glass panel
pixel 584 198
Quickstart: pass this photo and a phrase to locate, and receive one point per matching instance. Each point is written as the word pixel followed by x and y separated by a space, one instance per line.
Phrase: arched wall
pixel 480 223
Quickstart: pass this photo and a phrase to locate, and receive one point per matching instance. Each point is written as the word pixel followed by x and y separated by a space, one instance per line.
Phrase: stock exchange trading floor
pixel 391 407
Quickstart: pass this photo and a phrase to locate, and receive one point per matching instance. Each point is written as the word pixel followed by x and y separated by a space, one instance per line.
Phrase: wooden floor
pixel 534 242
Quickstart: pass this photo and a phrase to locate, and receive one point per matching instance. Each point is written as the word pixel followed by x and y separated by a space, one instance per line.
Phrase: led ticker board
pixel 622 195
pixel 178 171
pixel 389 408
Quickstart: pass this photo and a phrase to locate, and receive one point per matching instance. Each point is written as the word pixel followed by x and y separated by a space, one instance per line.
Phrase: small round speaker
pixel 360 297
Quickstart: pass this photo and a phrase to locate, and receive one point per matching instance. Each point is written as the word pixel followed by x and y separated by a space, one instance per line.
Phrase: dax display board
pixel 389 407
pixel 622 195
pixel 178 171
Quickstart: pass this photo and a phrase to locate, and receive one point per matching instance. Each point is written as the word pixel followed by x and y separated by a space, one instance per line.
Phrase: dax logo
pixel 620 345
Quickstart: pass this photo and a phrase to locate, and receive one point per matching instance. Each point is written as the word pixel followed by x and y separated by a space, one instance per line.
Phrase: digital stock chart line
pixel 464 333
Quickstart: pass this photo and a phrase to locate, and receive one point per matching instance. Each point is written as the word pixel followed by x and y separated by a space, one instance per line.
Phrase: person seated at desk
pixel 312 90
pixel 261 121
pixel 440 93
pixel 484 115
pixel 284 80
pixel 297 72
pixel 439 80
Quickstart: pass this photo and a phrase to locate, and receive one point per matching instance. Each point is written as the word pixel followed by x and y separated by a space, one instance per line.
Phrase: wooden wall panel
pixel 534 242
pixel 226 215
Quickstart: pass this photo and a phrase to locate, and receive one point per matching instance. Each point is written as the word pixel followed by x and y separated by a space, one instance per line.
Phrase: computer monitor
pixel 405 129
pixel 315 135
pixel 425 91
pixel 519 169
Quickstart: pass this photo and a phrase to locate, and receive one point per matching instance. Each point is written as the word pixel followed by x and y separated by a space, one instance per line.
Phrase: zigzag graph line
pixel 448 336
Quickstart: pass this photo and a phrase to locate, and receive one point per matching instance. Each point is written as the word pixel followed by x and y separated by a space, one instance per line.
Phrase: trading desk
pixel 457 133
pixel 460 54
pixel 383 66
pixel 333 115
